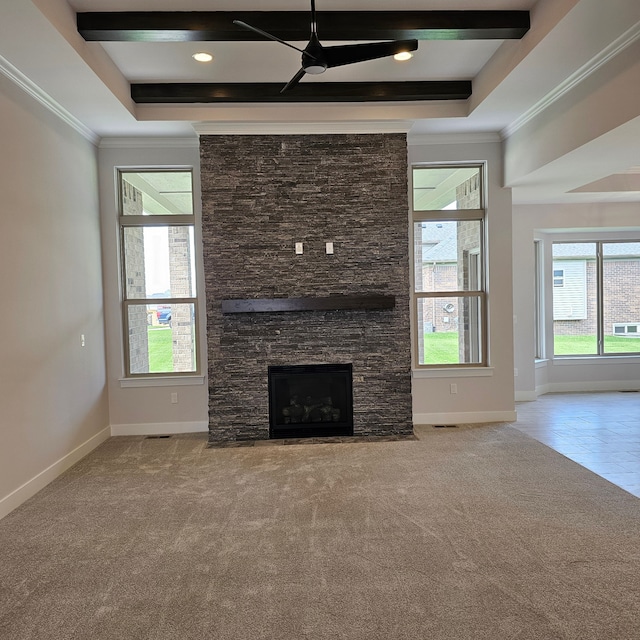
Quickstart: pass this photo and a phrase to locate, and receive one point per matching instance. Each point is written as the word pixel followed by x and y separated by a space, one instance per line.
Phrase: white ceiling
pixel 565 98
pixel 272 62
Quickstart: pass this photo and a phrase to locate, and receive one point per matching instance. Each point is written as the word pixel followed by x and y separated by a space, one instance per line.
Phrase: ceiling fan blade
pixel 351 53
pixel 294 81
pixel 244 25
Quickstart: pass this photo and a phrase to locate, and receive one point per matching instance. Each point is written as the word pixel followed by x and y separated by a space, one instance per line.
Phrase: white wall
pixel 548 223
pixel 144 407
pixel 487 394
pixel 53 399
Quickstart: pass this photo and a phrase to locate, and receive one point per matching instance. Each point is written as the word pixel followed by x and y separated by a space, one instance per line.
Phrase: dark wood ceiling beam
pixel 192 93
pixel 188 26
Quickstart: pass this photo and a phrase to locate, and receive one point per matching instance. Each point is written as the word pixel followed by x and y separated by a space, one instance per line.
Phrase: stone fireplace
pixel 271 307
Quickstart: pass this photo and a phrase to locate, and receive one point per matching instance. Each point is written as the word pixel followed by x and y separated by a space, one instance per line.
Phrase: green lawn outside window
pixel 160 350
pixel 442 348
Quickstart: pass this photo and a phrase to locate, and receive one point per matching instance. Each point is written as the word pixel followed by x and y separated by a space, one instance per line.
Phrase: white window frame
pixel 600 326
pixel 538 322
pixel 142 221
pixel 451 215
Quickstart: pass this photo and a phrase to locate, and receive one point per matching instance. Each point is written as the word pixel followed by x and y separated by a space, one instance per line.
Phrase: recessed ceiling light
pixel 203 56
pixel 403 55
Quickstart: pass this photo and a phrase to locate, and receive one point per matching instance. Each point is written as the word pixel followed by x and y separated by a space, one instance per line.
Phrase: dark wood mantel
pixel 314 303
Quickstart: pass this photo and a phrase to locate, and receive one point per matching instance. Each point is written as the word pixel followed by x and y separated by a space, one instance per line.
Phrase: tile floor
pixel 600 431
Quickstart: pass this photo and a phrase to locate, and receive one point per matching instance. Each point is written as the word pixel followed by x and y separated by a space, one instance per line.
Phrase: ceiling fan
pixel 317 59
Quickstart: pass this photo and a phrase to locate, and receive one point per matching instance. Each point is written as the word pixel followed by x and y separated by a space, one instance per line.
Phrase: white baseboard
pixel 31 487
pixel 526 396
pixel 158 428
pixel 604 385
pixel 470 417
pixel 542 389
pixel 588 387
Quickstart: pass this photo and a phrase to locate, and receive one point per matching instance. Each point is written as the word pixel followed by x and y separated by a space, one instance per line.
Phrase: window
pixel 448 271
pixel 628 329
pixel 158 272
pixel 558 277
pixel 596 311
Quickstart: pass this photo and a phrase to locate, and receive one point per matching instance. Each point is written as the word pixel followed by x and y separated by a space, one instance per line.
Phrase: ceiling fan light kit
pixel 316 58
pixel 403 56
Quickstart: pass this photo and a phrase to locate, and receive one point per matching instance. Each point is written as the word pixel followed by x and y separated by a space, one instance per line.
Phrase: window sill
pixel 161 381
pixel 564 361
pixel 541 363
pixel 452 372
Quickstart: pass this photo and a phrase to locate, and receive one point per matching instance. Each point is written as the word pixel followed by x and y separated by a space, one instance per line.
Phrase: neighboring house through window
pixel 596 311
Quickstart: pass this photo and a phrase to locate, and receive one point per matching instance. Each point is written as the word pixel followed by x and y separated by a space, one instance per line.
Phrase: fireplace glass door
pixel 310 401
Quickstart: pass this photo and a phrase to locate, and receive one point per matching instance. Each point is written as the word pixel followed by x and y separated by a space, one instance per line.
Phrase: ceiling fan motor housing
pixel 313 60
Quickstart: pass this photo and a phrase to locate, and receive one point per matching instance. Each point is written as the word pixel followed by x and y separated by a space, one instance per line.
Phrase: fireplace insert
pixel 310 401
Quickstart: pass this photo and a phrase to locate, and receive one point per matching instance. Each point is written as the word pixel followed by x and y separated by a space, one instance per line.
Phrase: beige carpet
pixel 478 533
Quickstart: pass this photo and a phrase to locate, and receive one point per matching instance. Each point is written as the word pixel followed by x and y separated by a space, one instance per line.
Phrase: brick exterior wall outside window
pixel 182 325
pixel 621 298
pixel 136 283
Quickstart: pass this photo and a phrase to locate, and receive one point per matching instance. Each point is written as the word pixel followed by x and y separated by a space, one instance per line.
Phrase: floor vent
pixel 445 426
pixel 157 437
pixel 628 391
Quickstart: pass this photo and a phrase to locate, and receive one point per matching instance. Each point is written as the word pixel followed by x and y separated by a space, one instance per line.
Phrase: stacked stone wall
pixel 261 195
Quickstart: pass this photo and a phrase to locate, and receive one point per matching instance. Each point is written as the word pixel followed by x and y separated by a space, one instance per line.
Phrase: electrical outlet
pixel 453 387
pixel 82 340
pixel 299 248
pixel 174 398
pixel 515 373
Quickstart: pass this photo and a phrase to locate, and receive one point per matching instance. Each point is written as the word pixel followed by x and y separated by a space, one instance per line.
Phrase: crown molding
pixel 454 138
pixel 628 38
pixel 29 87
pixel 148 143
pixel 300 128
